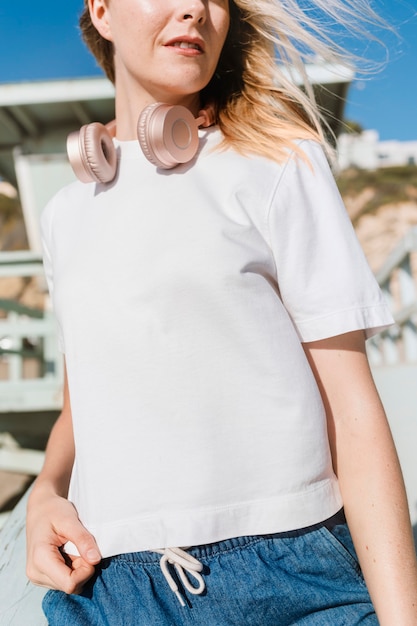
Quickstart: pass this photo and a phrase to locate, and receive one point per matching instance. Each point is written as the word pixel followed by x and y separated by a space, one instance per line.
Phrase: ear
pixel 99 14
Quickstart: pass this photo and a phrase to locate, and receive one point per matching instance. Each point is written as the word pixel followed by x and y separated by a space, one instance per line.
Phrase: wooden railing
pixel 398 280
pixel 31 368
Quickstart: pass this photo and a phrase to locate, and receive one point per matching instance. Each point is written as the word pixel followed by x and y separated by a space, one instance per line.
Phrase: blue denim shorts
pixel 308 577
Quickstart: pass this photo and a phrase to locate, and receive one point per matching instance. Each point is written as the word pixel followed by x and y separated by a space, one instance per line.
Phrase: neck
pixel 130 102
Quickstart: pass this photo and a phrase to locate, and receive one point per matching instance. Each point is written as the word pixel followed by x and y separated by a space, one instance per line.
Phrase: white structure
pixel 35 119
pixel 19 325
pixel 394 153
pixel 365 151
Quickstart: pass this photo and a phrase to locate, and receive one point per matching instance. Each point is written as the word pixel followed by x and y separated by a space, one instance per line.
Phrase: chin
pixel 185 88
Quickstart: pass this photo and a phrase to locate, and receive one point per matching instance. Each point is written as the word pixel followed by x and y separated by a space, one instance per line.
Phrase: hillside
pixel 382 205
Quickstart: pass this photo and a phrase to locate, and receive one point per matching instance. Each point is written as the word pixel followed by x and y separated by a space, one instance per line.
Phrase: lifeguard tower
pixel 35 119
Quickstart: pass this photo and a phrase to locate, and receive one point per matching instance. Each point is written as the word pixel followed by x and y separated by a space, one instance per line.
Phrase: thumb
pixel 81 572
pixel 83 543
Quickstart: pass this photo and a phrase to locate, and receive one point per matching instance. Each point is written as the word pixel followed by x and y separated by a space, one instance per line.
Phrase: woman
pixel 213 318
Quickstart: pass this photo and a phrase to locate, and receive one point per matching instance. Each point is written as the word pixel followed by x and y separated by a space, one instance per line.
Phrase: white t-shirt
pixel 182 298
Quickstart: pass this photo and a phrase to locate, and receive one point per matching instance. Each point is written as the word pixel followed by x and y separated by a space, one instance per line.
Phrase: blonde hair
pixel 262 96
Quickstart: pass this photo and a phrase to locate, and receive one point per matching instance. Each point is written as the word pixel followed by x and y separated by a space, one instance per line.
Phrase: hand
pixel 51 522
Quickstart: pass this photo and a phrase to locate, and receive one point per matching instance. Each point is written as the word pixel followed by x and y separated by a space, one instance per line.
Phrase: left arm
pixel 367 466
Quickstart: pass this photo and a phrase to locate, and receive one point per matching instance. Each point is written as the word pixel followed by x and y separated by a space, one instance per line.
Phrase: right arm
pixel 52 520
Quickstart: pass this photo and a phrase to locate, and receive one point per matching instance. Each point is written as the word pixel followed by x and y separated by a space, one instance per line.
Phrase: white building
pixel 365 151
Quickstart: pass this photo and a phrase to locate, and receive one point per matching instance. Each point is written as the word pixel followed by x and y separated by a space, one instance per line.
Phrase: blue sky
pixel 39 40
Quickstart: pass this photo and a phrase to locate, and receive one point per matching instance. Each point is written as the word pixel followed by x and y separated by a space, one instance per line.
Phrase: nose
pixel 195 11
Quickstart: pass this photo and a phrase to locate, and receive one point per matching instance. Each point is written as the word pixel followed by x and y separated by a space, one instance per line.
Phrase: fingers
pixel 47 565
pixel 81 572
pixel 68 574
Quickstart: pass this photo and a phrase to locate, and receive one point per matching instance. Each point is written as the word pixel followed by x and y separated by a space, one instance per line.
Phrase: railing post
pixel 391 349
pixel 410 341
pixel 15 359
pixel 397 281
pixel 50 352
pixel 408 295
pixel 374 351
pixel 406 282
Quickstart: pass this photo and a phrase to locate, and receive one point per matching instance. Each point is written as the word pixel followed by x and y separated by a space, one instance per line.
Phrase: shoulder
pixel 307 160
pixel 69 193
pixel 65 202
pixel 229 165
pixel 307 177
pixel 304 158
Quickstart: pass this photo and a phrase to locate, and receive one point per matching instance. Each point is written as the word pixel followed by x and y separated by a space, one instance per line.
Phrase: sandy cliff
pixel 382 206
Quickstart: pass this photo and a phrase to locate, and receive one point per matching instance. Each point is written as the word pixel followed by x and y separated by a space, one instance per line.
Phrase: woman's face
pixel 169 49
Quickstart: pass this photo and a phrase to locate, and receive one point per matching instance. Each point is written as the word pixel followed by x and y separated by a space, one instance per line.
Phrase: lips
pixel 186 43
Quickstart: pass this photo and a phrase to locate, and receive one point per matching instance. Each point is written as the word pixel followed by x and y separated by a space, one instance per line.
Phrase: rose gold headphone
pixel 168 135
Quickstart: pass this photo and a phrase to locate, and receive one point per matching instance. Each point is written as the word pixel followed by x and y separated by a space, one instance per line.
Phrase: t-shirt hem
pixel 202 527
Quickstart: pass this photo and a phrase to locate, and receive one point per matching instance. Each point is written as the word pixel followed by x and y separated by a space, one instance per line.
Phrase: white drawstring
pixel 181 561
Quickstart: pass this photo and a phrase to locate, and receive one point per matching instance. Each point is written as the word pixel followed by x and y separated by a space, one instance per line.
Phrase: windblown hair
pixel 261 93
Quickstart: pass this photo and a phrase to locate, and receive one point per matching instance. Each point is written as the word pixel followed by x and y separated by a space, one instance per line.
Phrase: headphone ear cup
pixel 168 135
pixel 92 154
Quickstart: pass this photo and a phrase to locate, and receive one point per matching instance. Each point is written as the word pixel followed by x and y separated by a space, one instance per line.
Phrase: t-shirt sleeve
pixel 46 227
pixel 324 280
